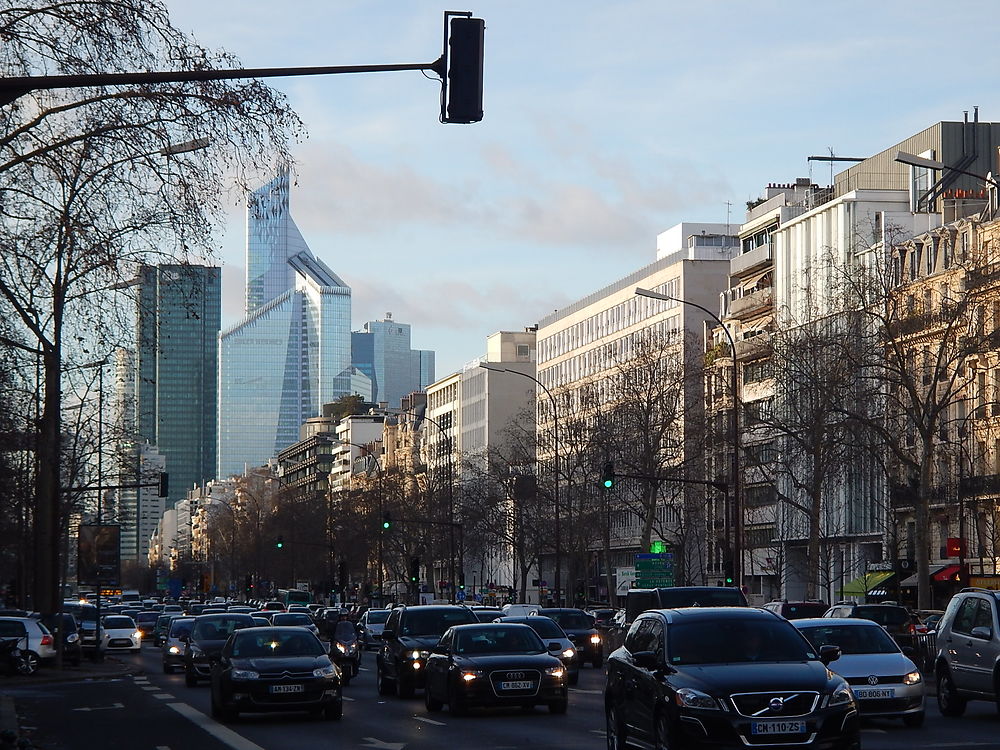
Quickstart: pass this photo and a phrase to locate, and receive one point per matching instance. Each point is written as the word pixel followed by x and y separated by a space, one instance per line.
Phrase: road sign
pixel 460 595
pixel 654 570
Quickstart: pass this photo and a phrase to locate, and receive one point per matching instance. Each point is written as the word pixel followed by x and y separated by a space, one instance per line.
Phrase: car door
pixel 633 678
pixel 437 666
pixel 649 685
pixel 958 642
pixel 982 650
pixel 389 645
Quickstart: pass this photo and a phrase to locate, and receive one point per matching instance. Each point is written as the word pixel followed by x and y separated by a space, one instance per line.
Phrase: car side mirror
pixel 829 653
pixel 646 659
pixel 388 635
pixel 983 632
pixel 908 650
pixel 184 639
pixel 326 646
pixel 554 646
pixel 443 650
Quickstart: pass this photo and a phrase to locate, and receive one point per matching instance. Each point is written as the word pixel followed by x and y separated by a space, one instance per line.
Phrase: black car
pixel 66 626
pixel 209 634
pixel 581 629
pixel 726 677
pixel 275 669
pixel 487 615
pixel 497 664
pixel 551 634
pixel 86 620
pixel 409 635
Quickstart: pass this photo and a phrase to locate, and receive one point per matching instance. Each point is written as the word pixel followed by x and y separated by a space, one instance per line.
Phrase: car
pixel 66 626
pixel 239 609
pixel 266 614
pixel 549 631
pixel 209 634
pixel 484 614
pixel 895 618
pixel 119 633
pixel 930 618
pixel 275 669
pixel 410 633
pixel 299 608
pixel 162 626
pixel 172 648
pixel 796 610
pixel 714 677
pixel 196 609
pixel 967 661
pixel 580 628
pixel 260 622
pixel 638 601
pixel 274 606
pixel 145 623
pixel 520 610
pixel 885 682
pixel 35 641
pixel 86 618
pixel 495 664
pixel 298 619
pixel 603 617
pixel 370 625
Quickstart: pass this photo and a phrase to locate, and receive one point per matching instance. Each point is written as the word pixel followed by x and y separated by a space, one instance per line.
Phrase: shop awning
pixel 913 581
pixel 866 584
pixel 946 574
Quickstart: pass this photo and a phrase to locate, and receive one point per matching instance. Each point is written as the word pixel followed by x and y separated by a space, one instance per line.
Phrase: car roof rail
pixel 980 589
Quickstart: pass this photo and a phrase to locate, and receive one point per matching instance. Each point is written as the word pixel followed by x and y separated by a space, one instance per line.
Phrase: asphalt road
pixel 155 711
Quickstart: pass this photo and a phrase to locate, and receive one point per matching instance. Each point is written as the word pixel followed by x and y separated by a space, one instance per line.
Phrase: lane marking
pixel 874 730
pixel 429 721
pixel 601 732
pixel 214 728
pixel 586 692
pixel 164 696
pixel 364 669
pixel 162 747
pixel 149 688
pixel 344 697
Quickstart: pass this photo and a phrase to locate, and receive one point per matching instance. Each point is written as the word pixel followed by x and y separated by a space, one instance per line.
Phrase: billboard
pixel 99 555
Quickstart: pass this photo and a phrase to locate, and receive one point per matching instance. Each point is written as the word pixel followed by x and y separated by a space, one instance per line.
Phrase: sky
pixel 605 124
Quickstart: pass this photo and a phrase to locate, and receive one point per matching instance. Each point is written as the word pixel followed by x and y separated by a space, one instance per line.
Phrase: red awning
pixel 946 574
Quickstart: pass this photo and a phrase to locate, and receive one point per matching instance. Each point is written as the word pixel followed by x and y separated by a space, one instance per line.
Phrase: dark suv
pixel 581 629
pixel 726 677
pixel 209 634
pixel 967 665
pixel 407 639
pixel 894 618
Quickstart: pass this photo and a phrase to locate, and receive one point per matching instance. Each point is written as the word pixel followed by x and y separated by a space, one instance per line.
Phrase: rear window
pixel 434 622
pixel 291 618
pixel 180 627
pixel 804 610
pixel 721 597
pixel 118 623
pixel 377 616
pixel 883 615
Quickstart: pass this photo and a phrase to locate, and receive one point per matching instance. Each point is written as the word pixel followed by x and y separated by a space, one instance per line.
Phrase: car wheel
pixel 615 728
pixel 333 710
pixel 559 707
pixel 28 663
pixel 190 678
pixel 456 703
pixel 661 725
pixel 404 687
pixel 220 712
pixel 433 705
pixel 948 700
pixel 914 720
pixel 384 684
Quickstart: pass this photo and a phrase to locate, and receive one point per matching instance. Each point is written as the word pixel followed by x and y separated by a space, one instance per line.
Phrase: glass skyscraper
pixel 382 352
pixel 292 351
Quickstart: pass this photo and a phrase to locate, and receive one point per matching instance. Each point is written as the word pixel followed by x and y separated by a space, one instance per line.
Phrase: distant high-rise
pixel 382 352
pixel 292 351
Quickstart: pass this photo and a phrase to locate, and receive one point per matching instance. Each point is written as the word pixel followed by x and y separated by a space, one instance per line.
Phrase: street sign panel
pixel 460 596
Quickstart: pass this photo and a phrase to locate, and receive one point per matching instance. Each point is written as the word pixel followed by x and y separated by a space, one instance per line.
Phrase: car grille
pixel 879 680
pixel 287 675
pixel 515 675
pixel 120 643
pixel 887 705
pixel 760 706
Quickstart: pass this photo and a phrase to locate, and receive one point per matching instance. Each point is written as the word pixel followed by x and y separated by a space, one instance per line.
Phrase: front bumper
pixel 481 692
pixel 826 729
pixel 906 699
pixel 256 696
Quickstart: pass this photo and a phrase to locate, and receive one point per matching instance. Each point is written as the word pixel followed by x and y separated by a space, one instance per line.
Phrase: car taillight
pixel 46 640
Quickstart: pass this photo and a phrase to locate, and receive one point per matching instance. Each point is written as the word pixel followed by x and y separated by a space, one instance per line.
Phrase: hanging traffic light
pixel 386 522
pixel 414 569
pixel 608 475
pixel 463 84
pixel 728 568
pixel 461 581
pixel 280 542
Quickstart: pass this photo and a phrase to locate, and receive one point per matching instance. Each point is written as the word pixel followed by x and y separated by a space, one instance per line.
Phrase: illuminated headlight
pixel 342 648
pixel 913 678
pixel 327 672
pixel 471 675
pixel 244 674
pixel 595 639
pixel 415 665
pixel 555 671
pixel 137 634
pixel 174 650
pixel 691 698
pixel 419 654
pixel 569 653
pixel 842 696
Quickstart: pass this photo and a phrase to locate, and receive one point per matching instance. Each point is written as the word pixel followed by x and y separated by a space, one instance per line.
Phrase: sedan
pixel 275 669
pixel 371 625
pixel 118 633
pixel 208 635
pixel 499 664
pixel 296 619
pixel 173 643
pixel 582 630
pixel 550 632
pixel 885 682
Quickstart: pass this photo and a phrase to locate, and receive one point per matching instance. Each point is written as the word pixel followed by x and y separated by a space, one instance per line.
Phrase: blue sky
pixel 605 124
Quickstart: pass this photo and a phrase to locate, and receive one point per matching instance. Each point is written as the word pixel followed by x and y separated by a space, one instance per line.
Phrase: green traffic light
pixel 728 580
pixel 609 483
pixel 386 524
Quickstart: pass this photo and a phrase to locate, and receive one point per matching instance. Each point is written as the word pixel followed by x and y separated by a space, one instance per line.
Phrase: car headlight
pixel 342 648
pixel 137 634
pixel 244 674
pixel 555 671
pixel 174 650
pixel 842 696
pixel 691 698
pixel 419 654
pixel 72 638
pixel 328 672
pixel 569 653
pixel 913 678
pixel 595 639
pixel 470 675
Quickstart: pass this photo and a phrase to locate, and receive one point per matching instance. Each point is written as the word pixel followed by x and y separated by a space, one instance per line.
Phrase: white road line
pixel 344 697
pixel 162 747
pixel 214 728
pixel 598 731
pixel 429 721
pixel 150 688
pixel 874 730
pixel 164 696
pixel 586 692
pixel 364 669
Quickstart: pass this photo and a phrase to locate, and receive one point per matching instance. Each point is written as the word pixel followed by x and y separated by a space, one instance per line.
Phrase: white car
pixel 520 610
pixel 119 633
pixel 35 639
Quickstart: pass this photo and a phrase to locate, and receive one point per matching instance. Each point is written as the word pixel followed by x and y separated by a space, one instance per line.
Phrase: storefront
pixel 870 588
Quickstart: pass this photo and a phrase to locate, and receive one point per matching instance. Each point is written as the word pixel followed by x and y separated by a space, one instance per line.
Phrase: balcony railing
pixel 752 348
pixel 759 257
pixel 752 303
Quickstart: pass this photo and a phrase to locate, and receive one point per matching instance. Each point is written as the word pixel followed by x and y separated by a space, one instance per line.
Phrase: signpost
pixel 654 570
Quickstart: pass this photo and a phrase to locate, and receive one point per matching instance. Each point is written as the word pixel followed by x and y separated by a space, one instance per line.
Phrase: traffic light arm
pixel 721 486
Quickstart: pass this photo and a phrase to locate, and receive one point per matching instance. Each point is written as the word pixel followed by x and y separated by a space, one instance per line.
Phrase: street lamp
pixel 736 511
pixel 555 463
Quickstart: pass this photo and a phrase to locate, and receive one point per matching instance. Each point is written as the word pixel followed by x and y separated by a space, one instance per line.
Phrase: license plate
pixel 287 689
pixel 875 692
pixel 778 727
pixel 520 685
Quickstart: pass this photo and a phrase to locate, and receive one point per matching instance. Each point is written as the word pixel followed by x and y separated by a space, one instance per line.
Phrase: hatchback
pixel 36 641
pixel 119 633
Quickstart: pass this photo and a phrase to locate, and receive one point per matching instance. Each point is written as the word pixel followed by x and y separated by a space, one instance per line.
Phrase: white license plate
pixel 874 693
pixel 287 689
pixel 520 685
pixel 778 727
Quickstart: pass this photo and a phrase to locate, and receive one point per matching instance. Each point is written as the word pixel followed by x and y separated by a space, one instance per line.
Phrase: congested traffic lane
pixel 379 722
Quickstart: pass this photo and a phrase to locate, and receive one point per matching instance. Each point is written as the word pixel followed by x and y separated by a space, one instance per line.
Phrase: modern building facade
pixel 382 352
pixel 292 351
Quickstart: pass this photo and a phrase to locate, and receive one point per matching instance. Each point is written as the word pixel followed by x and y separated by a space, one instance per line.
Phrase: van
pixel 131 597
pixel 639 600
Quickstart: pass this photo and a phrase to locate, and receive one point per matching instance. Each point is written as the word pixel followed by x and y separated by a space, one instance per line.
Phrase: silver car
pixel 371 625
pixel 36 640
pixel 885 682
pixel 173 647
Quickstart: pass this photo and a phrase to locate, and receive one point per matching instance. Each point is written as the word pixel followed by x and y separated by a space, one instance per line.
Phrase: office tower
pixel 382 351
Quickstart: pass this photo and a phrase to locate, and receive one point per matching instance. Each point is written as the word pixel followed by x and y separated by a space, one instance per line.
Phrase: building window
pixel 522 350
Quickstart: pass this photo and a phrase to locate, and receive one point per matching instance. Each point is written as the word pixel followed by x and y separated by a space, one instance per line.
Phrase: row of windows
pixel 625 314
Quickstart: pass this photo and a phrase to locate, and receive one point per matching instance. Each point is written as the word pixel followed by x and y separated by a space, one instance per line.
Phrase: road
pixel 155 711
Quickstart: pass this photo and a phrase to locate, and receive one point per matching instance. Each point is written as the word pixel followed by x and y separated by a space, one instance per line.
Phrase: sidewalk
pixel 109 669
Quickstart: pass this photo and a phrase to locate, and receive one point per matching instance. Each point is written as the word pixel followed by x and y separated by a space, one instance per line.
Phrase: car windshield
pixel 180 627
pixel 727 641
pixel 572 620
pixel 147 617
pixel 277 642
pixel 377 616
pixel 434 622
pixel 498 640
pixel 291 618
pixel 119 623
pixel 216 629
pixel 546 627
pixel 883 615
pixel 852 639
pixel 86 614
